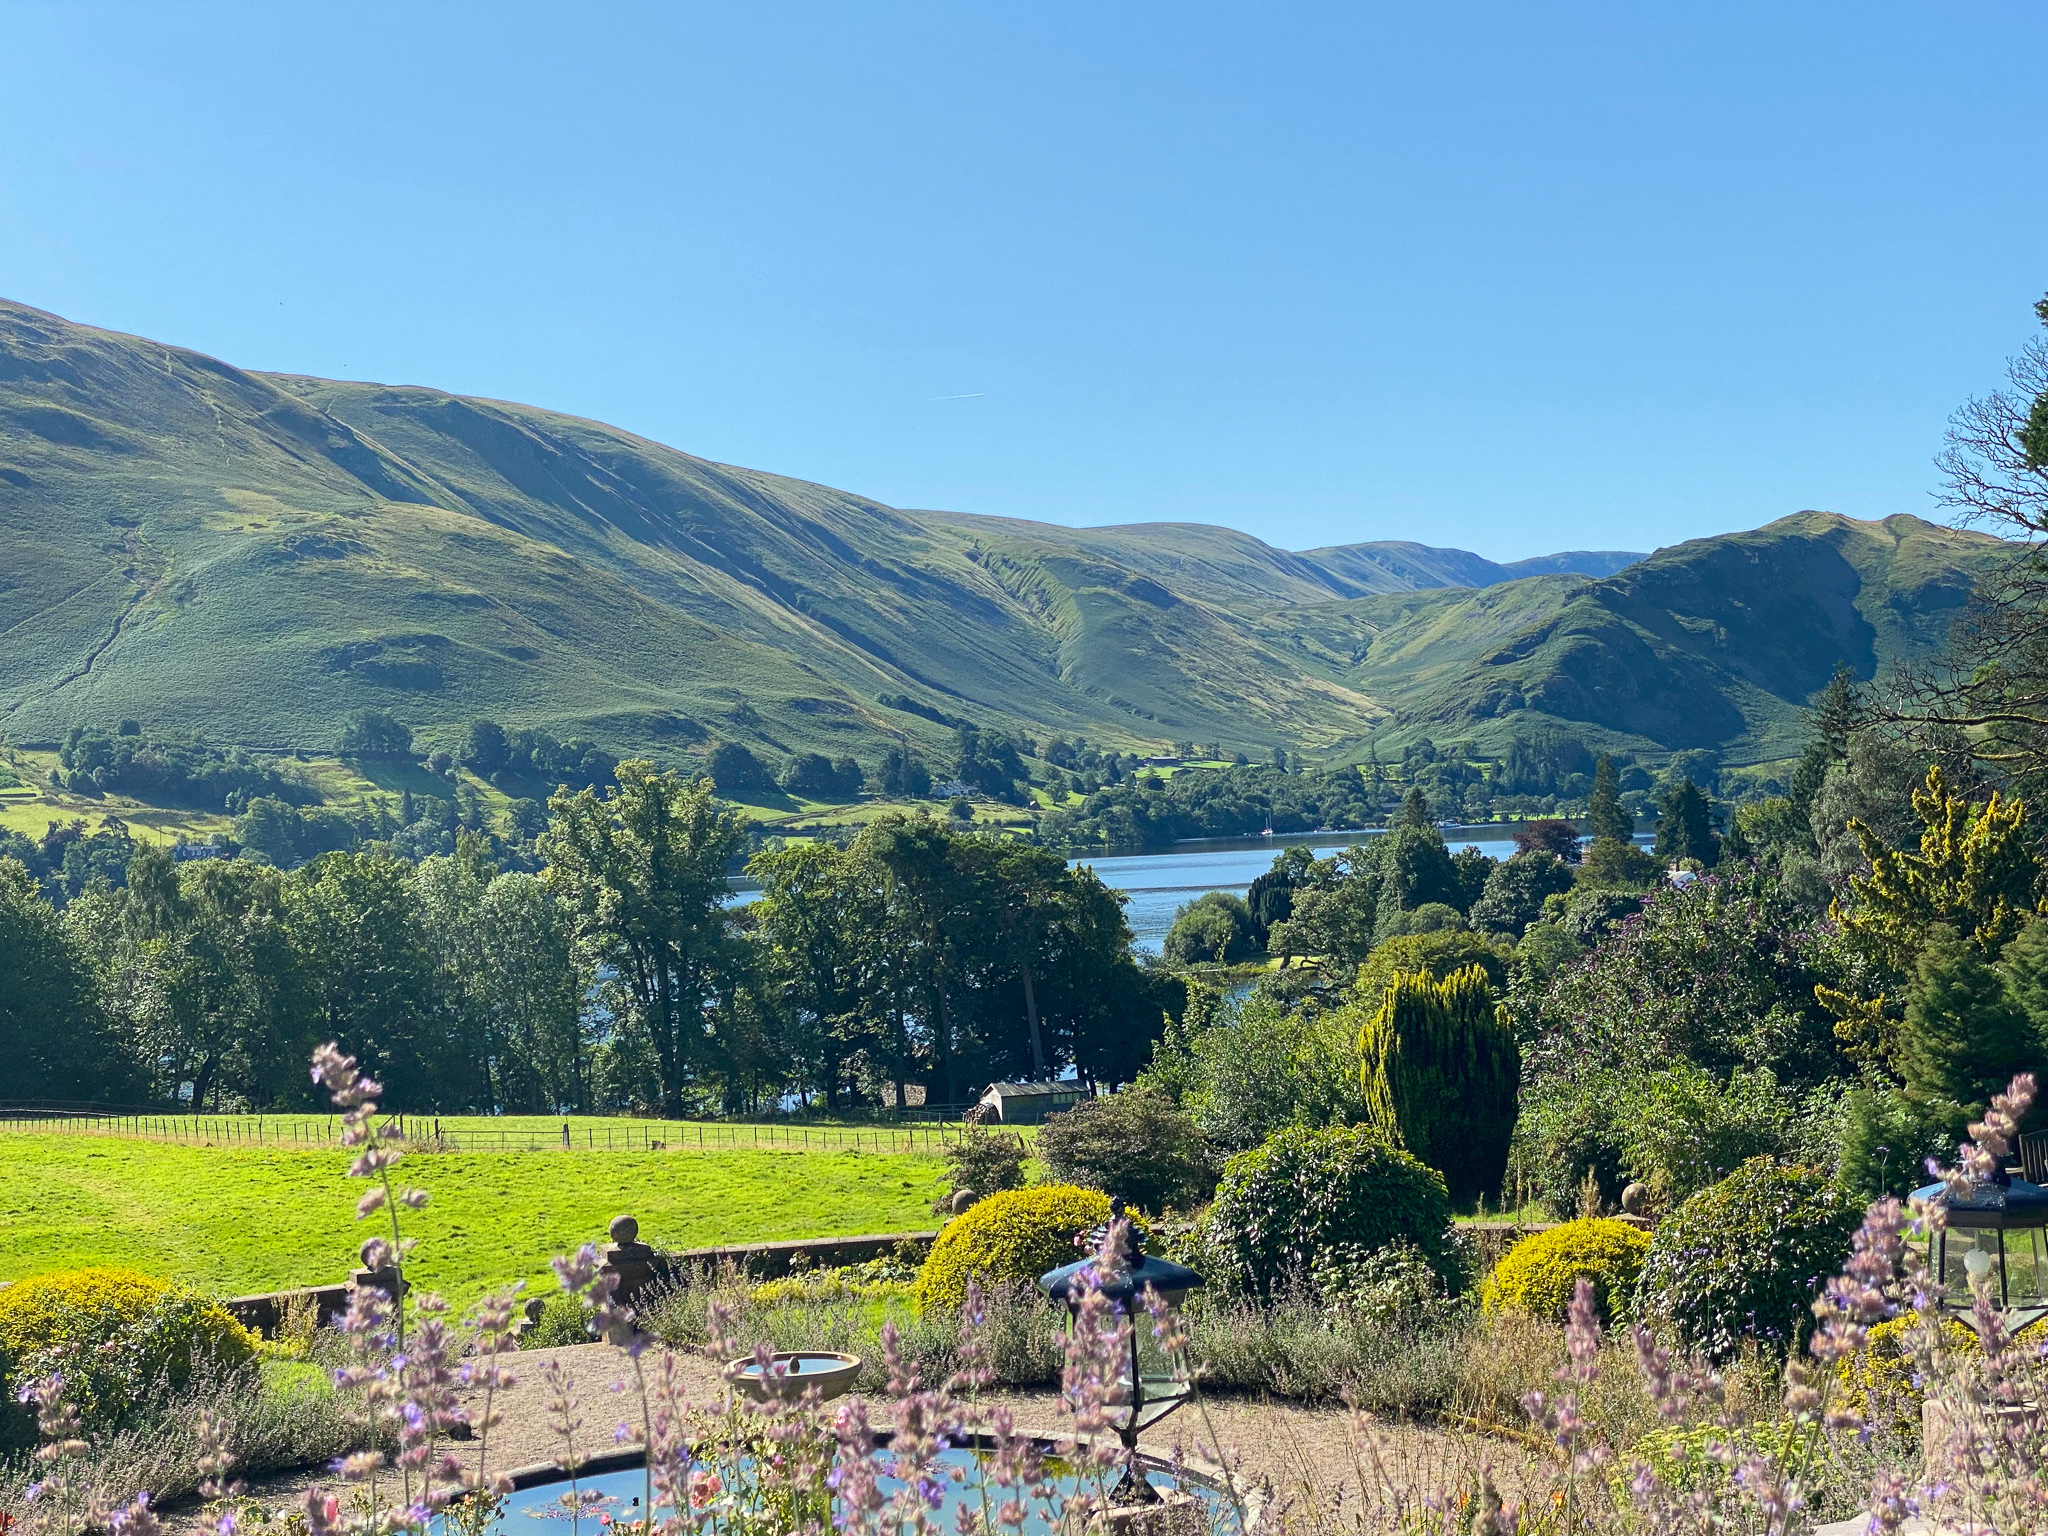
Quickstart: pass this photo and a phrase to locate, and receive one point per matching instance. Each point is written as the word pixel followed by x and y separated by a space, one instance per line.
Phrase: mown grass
pixel 238 1220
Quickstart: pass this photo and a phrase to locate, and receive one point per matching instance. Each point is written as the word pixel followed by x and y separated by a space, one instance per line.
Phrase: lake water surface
pixel 1159 884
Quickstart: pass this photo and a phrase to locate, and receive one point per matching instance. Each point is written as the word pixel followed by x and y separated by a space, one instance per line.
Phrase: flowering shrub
pixel 1391 1287
pixel 115 1335
pixel 1011 1237
pixel 1286 1205
pixel 1746 1258
pixel 1540 1274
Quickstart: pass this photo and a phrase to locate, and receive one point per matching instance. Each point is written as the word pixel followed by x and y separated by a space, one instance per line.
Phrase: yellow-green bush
pixel 1015 1235
pixel 115 1334
pixel 1539 1274
pixel 1883 1371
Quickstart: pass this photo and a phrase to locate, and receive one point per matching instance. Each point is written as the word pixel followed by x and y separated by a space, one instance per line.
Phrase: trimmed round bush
pixel 1306 1194
pixel 116 1335
pixel 1745 1258
pixel 1013 1236
pixel 1539 1275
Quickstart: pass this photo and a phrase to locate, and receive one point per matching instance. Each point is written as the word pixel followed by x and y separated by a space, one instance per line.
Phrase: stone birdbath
pixel 791 1373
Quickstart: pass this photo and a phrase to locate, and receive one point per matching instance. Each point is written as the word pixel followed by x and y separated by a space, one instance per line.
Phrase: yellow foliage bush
pixel 1882 1371
pixel 1013 1235
pixel 1538 1275
pixel 115 1334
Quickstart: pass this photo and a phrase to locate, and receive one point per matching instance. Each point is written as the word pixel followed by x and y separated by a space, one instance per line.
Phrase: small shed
pixel 1028 1103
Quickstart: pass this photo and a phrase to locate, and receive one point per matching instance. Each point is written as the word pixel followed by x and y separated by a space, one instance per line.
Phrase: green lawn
pixel 237 1220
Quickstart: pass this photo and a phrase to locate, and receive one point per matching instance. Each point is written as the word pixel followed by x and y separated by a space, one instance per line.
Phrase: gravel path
pixel 1305 1455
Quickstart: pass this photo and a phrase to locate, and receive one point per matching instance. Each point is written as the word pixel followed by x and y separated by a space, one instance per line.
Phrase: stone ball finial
pixel 624 1230
pixel 963 1198
pixel 1635 1199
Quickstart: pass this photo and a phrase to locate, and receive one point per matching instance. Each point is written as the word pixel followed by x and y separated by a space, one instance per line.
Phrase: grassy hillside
pixel 253 556
pixel 1717 643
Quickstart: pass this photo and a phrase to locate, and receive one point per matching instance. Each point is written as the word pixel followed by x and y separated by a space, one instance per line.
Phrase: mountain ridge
pixel 253 555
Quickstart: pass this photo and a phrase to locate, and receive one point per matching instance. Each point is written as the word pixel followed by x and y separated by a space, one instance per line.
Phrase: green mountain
pixel 1717 643
pixel 252 556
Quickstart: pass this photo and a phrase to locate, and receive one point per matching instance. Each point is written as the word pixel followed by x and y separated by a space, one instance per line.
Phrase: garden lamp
pixel 1153 1383
pixel 1996 1234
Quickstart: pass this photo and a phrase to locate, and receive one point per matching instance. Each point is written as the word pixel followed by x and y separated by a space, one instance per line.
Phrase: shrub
pixel 116 1335
pixel 1138 1145
pixel 562 1320
pixel 1538 1275
pixel 1286 1205
pixel 1883 1374
pixel 1683 1127
pixel 1396 1287
pixel 984 1161
pixel 1014 1236
pixel 1441 1076
pixel 1744 1258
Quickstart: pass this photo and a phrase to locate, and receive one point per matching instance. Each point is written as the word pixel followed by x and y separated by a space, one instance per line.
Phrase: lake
pixel 1159 884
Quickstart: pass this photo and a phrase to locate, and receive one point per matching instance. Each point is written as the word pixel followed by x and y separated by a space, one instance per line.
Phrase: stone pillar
pixel 631 1260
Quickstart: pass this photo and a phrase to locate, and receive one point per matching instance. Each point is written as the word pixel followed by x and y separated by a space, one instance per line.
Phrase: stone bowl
pixel 832 1374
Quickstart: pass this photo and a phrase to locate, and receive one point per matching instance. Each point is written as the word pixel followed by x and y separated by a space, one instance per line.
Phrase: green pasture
pixel 234 1220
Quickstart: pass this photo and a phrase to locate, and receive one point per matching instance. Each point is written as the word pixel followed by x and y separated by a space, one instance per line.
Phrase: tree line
pixel 623 973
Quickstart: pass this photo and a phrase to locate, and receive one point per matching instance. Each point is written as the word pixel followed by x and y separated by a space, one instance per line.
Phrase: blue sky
pixel 1509 277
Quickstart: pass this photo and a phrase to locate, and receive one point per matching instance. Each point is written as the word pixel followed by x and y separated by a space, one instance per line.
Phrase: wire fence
pixel 426 1132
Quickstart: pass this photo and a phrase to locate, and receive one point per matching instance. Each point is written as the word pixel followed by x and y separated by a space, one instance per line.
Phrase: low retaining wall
pixel 771 1261
pixel 264 1313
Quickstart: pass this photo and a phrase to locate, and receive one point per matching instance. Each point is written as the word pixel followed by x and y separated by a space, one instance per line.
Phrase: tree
pixel 369 979
pixel 1415 811
pixel 487 751
pixel 55 1036
pixel 643 872
pixel 737 774
pixel 1515 893
pixel 816 777
pixel 904 775
pixel 1965 1036
pixel 1472 870
pixel 1685 825
pixel 1441 1073
pixel 1214 928
pixel 1974 872
pixel 1558 838
pixel 822 927
pixel 375 733
pixel 1605 816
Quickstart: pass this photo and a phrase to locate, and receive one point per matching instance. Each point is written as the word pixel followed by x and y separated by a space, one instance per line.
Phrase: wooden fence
pixel 424 1131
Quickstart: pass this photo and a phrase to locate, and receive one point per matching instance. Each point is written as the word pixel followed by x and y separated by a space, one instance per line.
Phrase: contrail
pixel 975 396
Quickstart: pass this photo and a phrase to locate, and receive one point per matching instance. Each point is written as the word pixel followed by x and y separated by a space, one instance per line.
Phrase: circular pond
pixel 544 1507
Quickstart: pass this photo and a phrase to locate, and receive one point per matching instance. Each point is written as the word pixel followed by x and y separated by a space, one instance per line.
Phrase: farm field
pixel 233 1220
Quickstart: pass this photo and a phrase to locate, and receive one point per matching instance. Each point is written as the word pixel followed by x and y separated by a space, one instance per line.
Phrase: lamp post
pixel 1995 1235
pixel 1152 1382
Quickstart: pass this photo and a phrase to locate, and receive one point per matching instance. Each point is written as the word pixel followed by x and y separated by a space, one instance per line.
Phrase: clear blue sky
pixel 1503 276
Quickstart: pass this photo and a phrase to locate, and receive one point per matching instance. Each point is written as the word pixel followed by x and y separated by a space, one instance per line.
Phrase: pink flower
pixel 704 1487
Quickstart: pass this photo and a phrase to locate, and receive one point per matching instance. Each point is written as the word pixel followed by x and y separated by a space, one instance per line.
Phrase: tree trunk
pixel 1031 1013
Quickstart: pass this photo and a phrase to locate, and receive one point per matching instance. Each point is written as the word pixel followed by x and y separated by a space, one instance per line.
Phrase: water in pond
pixel 541 1511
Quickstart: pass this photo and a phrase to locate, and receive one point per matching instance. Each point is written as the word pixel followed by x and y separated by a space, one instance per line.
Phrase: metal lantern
pixel 1153 1383
pixel 1997 1233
